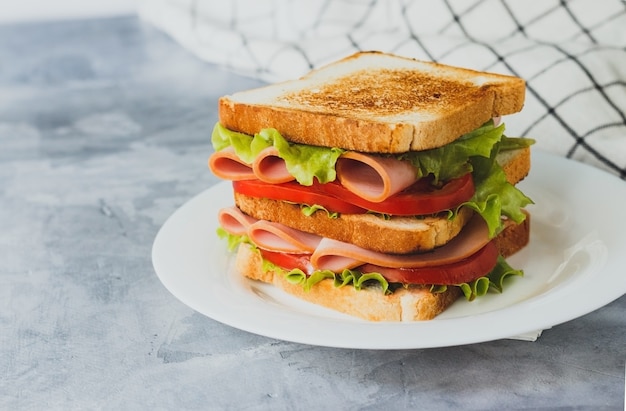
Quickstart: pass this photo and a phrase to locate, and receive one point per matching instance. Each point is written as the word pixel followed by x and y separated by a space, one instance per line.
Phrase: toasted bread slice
pixel 413 303
pixel 376 102
pixel 398 235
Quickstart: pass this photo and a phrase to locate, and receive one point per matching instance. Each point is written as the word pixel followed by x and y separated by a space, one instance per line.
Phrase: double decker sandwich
pixel 379 186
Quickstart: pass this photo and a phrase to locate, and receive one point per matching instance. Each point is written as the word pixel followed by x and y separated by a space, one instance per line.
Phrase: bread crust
pixel 515 163
pixel 514 237
pixel 413 303
pixel 376 102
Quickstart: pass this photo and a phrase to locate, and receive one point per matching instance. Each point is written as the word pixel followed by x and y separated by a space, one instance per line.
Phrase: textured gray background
pixel 104 132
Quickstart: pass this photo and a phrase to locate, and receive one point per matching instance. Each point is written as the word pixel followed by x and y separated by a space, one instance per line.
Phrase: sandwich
pixel 379 186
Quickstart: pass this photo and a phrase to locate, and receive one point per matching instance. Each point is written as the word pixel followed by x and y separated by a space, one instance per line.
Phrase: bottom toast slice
pixel 413 303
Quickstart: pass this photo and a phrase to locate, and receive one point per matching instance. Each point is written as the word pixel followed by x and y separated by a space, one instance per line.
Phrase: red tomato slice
pixel 464 271
pixel 419 199
pixel 296 193
pixel 289 261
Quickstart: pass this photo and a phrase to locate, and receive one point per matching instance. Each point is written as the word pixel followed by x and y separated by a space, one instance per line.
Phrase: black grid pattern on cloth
pixel 580 141
pixel 571 53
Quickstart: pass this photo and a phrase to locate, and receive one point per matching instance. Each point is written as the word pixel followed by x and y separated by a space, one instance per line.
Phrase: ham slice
pixel 267 166
pixel 270 168
pixel 265 234
pixel 336 256
pixel 328 254
pixel 280 238
pixel 227 165
pixel 371 177
pixel 234 221
pixel 374 178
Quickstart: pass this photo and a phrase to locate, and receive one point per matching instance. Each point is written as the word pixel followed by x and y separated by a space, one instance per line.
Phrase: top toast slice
pixel 376 102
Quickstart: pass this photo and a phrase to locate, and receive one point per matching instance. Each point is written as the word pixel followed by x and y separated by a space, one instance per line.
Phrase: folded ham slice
pixel 372 177
pixel 227 165
pixel 336 256
pixel 280 238
pixel 267 235
pixel 234 221
pixel 267 166
pixel 270 168
pixel 327 254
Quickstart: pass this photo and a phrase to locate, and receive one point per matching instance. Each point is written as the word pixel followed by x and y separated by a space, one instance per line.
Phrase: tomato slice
pixel 296 193
pixel 419 199
pixel 289 261
pixel 477 265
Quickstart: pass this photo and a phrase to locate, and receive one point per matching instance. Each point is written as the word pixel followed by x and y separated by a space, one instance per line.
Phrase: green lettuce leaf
pixel 302 161
pixel 347 277
pixel 358 279
pixel 494 195
pixel 452 160
pixel 494 281
pixel 477 152
pixel 222 138
pixel 310 210
pixel 232 240
pixel 514 143
pixel 501 271
pixel 476 288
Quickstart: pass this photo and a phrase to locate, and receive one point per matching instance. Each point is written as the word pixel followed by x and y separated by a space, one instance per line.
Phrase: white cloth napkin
pixel 529 336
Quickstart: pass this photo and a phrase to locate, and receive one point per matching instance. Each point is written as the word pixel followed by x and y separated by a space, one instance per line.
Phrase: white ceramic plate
pixel 574 264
